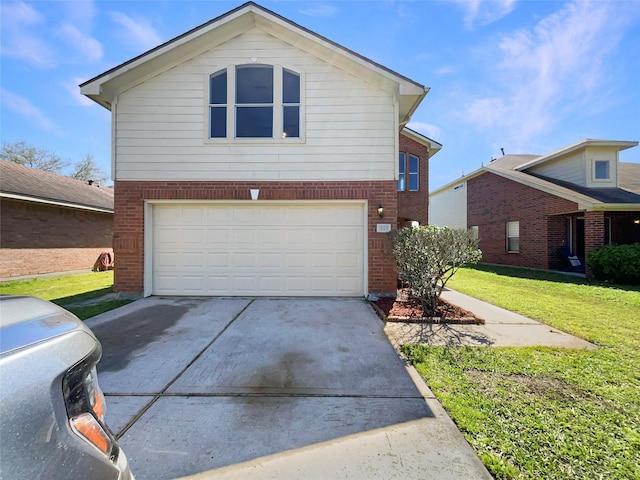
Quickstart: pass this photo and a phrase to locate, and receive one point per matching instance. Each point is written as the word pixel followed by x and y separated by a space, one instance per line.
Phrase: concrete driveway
pixel 269 388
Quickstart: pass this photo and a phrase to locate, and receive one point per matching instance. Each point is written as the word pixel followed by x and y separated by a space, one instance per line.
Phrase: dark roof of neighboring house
pixel 604 195
pixel 25 183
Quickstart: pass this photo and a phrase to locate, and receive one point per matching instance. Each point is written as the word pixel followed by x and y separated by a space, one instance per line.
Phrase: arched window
pixel 266 102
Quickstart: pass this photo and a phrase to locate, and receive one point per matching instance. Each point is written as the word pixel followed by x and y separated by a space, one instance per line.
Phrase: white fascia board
pixel 56 203
pixel 462 179
pixel 617 207
pixel 434 147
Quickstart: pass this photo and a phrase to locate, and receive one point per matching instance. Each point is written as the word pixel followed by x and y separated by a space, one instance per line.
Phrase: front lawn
pixel 534 413
pixel 82 294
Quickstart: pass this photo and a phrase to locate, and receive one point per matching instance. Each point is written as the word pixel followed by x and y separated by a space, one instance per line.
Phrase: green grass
pixel 533 413
pixel 69 290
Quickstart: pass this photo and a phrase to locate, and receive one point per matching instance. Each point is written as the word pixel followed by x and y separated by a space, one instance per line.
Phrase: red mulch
pixel 404 308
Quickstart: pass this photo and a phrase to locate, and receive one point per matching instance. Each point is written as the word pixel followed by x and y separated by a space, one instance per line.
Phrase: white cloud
pixel 139 32
pixel 89 47
pixel 427 129
pixel 550 71
pixel 484 12
pixel 72 86
pixel 22 36
pixel 26 109
pixel 320 10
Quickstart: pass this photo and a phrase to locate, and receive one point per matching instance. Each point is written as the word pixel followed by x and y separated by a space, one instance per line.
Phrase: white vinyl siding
pixel 254 248
pixel 349 126
pixel 570 169
pixel 448 208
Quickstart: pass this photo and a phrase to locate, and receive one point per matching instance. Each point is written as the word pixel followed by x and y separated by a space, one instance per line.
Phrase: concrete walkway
pixel 502 329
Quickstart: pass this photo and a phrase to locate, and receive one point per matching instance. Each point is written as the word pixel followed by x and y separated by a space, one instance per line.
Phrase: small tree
pixel 427 257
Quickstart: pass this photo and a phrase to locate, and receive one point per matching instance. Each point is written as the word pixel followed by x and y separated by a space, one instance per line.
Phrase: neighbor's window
pixel 402 171
pixel 601 170
pixel 266 102
pixel 414 173
pixel 513 237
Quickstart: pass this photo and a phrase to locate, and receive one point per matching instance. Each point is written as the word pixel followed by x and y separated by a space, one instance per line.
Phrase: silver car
pixel 51 406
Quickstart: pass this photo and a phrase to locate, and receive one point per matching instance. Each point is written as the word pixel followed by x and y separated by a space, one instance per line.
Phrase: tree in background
pixel 46 160
pixel 427 257
pixel 30 156
pixel 87 169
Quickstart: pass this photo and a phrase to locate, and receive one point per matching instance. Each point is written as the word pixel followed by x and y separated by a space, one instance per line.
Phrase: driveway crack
pixel 174 379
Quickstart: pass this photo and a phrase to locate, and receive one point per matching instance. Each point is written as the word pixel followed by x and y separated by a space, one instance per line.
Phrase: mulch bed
pixel 409 310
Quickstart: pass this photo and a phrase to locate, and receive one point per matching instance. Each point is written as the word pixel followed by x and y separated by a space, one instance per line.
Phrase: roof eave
pixel 58 203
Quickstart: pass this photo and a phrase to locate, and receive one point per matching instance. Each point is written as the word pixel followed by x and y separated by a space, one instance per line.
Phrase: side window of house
pixel 601 170
pixel 414 173
pixel 513 237
pixel 402 172
pixel 266 102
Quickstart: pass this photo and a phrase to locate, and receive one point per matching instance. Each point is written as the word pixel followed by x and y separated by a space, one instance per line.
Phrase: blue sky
pixel 526 76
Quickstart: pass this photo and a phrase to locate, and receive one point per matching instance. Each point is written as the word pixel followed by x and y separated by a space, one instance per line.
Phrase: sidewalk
pixel 502 329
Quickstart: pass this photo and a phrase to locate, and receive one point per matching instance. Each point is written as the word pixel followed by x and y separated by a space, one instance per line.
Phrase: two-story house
pixel 252 156
pixel 529 209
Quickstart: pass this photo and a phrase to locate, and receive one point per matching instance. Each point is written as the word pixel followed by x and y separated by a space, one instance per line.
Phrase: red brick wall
pixel 128 238
pixel 492 201
pixel 415 205
pixel 38 239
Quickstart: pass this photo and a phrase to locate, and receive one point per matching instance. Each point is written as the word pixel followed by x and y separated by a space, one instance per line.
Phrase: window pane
pixel 254 84
pixel 252 122
pixel 218 122
pixel 290 87
pixel 602 169
pixel 291 122
pixel 401 171
pixel 218 88
pixel 414 182
pixel 413 164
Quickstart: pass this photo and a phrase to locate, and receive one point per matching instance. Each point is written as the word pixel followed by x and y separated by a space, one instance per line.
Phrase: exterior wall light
pixel 380 211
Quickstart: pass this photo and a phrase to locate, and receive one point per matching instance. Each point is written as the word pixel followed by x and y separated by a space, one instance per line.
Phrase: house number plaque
pixel 383 227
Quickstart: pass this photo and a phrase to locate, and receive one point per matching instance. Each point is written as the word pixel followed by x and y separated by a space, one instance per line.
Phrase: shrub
pixel 427 257
pixel 618 263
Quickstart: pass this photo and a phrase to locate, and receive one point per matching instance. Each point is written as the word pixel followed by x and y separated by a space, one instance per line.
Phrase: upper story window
pixel 601 170
pixel 408 172
pixel 402 171
pixel 254 101
pixel 414 173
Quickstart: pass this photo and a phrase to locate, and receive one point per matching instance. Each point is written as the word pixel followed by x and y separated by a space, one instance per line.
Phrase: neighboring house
pixel 50 223
pixel 251 105
pixel 535 211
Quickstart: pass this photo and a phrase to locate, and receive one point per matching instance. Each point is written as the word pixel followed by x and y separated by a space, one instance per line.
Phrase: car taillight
pixel 86 405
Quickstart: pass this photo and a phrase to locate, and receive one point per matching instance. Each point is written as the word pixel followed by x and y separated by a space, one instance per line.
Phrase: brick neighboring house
pixel 531 211
pixel 50 223
pixel 252 156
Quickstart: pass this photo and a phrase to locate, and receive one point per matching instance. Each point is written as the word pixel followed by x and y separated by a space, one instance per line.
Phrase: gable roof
pixel 29 184
pixel 513 167
pixel 103 88
pixel 434 147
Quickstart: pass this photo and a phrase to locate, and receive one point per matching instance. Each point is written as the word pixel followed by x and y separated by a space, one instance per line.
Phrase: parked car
pixel 51 406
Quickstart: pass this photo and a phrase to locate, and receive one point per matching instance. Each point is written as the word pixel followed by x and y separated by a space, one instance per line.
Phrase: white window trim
pixel 404 174
pixel 508 236
pixel 277 107
pixel 593 170
pixel 408 167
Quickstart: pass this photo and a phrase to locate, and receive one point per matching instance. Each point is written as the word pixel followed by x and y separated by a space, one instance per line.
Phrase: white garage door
pixel 315 249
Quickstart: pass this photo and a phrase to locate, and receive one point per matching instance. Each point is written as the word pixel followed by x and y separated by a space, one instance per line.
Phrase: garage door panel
pixel 258 249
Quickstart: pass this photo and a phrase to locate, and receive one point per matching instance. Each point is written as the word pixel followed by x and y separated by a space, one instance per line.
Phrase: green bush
pixel 618 263
pixel 427 257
